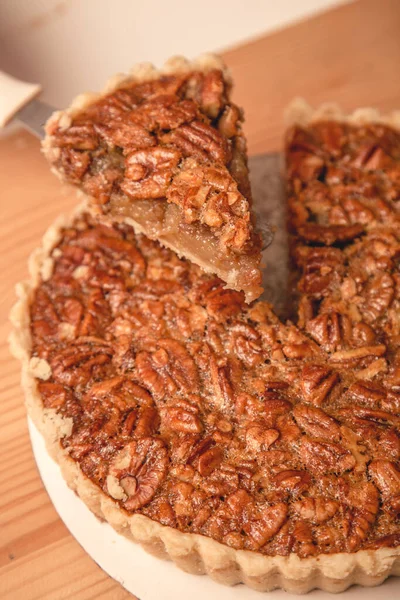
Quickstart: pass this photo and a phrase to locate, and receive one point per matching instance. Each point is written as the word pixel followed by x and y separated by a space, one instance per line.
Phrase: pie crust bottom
pixel 193 553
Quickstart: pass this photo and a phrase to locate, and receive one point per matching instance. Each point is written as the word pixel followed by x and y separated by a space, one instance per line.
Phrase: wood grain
pixel 350 55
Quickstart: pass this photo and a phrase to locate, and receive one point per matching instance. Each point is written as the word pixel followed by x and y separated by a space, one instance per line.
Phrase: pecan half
pixel 365 502
pixel 387 478
pixel 124 134
pixel 148 172
pixel 267 525
pixel 181 419
pixel 77 364
pixel 331 234
pixel 164 112
pixel 316 422
pixel 324 457
pixel 317 382
pixel 331 330
pixel 294 482
pixel 140 468
pixel 168 369
pixel 317 510
pixel 199 140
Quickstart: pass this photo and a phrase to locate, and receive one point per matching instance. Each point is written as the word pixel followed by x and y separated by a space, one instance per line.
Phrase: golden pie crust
pixel 169 160
pixel 192 552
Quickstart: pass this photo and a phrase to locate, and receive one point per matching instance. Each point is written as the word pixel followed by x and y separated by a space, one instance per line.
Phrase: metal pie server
pixel 18 101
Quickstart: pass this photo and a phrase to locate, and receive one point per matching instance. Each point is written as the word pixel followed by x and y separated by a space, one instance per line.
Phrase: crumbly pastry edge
pixel 139 73
pixel 299 112
pixel 191 552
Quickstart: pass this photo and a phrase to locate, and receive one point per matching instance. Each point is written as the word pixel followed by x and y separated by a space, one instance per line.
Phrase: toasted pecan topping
pixel 219 419
pixel 176 138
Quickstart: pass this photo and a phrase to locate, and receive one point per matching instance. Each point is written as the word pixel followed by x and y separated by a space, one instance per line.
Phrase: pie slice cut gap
pixel 164 151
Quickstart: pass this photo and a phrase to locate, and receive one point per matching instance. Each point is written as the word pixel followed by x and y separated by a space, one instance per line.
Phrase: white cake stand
pixel 147 577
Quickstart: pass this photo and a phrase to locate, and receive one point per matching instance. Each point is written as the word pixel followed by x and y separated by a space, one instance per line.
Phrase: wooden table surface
pixel 350 55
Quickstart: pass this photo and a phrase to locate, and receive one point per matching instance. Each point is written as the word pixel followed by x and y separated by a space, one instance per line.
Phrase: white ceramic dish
pixel 147 577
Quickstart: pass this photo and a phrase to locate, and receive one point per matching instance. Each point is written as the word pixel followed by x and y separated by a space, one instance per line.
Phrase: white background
pixel 70 46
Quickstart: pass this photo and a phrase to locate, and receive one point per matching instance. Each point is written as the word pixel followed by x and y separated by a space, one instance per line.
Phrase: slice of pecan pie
pixel 214 434
pixel 164 150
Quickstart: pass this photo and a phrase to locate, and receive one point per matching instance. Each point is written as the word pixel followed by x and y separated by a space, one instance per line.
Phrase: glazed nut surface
pixel 176 137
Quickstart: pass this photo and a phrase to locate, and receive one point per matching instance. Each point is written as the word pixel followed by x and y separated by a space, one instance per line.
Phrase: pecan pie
pixel 211 432
pixel 164 150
